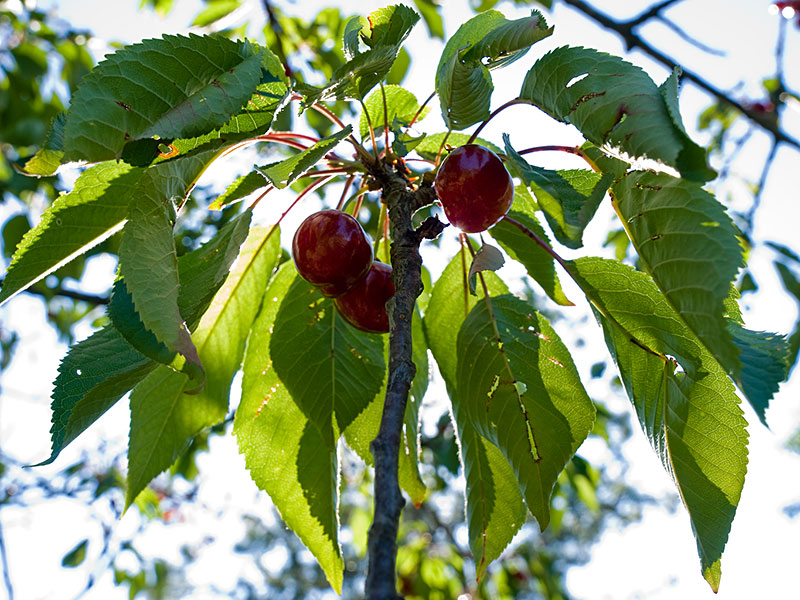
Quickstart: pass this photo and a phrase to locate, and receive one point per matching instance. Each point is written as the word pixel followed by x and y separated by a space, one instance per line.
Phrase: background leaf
pixel 614 102
pixel 400 104
pixel 287 455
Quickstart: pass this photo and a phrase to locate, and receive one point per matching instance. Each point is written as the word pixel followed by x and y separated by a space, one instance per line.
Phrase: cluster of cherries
pixel 332 251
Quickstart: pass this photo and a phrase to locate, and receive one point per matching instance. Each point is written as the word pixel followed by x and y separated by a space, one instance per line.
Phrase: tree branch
pixel 401 202
pixel 75 295
pixel 632 40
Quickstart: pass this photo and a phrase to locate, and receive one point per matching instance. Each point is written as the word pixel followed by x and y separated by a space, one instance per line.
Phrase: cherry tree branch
pixel 625 30
pixel 401 202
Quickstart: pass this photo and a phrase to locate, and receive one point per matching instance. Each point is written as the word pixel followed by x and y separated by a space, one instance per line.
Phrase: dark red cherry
pixel 474 187
pixel 331 251
pixel 364 307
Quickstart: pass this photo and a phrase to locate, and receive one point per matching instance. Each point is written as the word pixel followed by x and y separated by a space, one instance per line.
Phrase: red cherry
pixel 364 307
pixel 475 188
pixel 331 251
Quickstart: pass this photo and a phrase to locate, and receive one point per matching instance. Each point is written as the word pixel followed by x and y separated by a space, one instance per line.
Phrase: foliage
pixel 153 117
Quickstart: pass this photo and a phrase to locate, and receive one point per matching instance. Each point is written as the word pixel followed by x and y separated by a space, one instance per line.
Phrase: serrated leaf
pixel 690 247
pixel 764 365
pixel 692 418
pixel 568 198
pixel 486 41
pixel 401 105
pixel 522 392
pixel 332 370
pixel 99 370
pixel 494 506
pixel 241 187
pixel 149 264
pixel 286 454
pixel 354 79
pixel 48 157
pixel 488 258
pixel 614 102
pixel 164 417
pixel 390 25
pixel 539 264
pixel 172 87
pixel 95 209
pixel 286 172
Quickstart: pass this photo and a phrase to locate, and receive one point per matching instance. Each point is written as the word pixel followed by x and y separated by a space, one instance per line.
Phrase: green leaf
pixel 285 172
pixel 286 453
pixel 486 41
pixel 569 198
pixel 172 87
pixel 692 418
pixel 241 187
pixel 521 390
pixel 495 509
pixel 332 370
pixel 216 10
pixel 149 264
pixel 164 417
pixel 689 245
pixel 764 365
pixel 95 209
pixel 400 104
pixel 792 285
pixel 48 157
pixel 432 17
pixel 614 102
pixel 99 370
pixel 539 264
pixel 76 556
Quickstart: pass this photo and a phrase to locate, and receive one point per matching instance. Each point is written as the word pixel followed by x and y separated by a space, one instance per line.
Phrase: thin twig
pixel 632 40
pixel 762 181
pixel 6 569
pixel 421 108
pixel 277 29
pixel 497 111
pixel 75 295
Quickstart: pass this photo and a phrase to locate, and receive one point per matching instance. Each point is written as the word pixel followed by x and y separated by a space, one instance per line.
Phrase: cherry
pixel 474 187
pixel 331 251
pixel 364 307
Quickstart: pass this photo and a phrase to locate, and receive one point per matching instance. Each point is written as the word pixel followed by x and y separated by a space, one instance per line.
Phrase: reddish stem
pixel 494 114
pixel 347 185
pixel 419 112
pixel 310 187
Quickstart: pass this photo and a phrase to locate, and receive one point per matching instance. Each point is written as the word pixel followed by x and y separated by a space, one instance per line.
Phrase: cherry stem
pixel 257 200
pixel 421 108
pixel 495 113
pixel 441 147
pixel 347 185
pixel 544 245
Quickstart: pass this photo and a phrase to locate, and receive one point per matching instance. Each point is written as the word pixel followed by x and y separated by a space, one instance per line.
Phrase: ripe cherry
pixel 364 307
pixel 331 251
pixel 474 187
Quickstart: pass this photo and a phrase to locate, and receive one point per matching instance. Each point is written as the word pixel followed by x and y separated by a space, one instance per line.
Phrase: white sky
pixel 655 559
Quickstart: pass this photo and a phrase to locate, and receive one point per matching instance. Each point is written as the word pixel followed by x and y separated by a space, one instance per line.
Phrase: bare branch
pixel 633 40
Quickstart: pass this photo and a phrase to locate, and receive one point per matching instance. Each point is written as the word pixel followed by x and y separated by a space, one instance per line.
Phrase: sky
pixel 653 559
